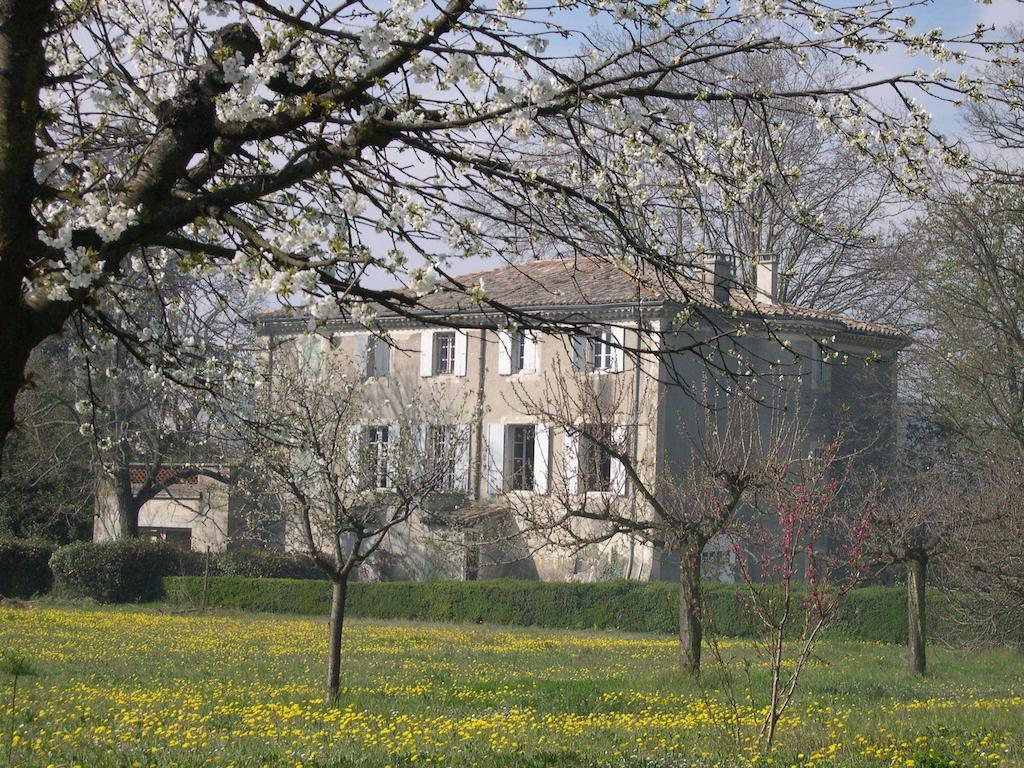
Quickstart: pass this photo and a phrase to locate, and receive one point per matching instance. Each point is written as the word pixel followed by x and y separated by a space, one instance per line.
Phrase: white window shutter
pixel 381 357
pixel 504 353
pixel 461 482
pixel 571 461
pixel 420 460
pixel 530 349
pixel 426 353
pixel 355 435
pixel 495 459
pixel 461 346
pixel 541 457
pixel 578 352
pixel 619 336
pixel 359 359
pixel 397 453
pixel 618 477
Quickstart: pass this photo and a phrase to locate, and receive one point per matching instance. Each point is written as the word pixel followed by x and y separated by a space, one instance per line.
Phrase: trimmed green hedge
pixel 123 571
pixel 872 613
pixel 24 567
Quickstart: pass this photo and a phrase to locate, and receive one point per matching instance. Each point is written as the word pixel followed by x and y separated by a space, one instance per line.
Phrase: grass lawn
pixel 141 687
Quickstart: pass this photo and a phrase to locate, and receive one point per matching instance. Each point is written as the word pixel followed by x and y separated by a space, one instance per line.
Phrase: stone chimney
pixel 767 273
pixel 718 276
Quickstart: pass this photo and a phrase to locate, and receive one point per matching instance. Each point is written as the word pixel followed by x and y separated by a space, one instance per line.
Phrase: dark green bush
pixel 25 567
pixel 873 613
pixel 264 564
pixel 124 571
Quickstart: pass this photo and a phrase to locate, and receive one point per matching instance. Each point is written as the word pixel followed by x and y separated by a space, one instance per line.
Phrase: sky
pixel 953 16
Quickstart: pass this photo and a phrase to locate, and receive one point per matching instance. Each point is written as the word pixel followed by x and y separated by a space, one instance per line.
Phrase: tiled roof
pixel 589 282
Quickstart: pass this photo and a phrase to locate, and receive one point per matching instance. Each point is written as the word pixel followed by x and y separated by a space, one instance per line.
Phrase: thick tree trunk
pixel 127 505
pixel 13 359
pixel 691 606
pixel 916 576
pixel 22 67
pixel 339 588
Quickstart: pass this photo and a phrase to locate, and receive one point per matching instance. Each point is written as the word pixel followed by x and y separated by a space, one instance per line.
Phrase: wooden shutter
pixel 541 457
pixel 504 353
pixel 495 459
pixel 426 353
pixel 461 347
pixel 619 337
pixel 530 349
pixel 618 478
pixel 571 461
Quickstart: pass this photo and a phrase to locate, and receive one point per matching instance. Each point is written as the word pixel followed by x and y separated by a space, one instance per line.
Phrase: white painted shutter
pixel 397 454
pixel 619 335
pixel 578 352
pixel 571 461
pixel 420 460
pixel 462 459
pixel 381 357
pixel 426 353
pixel 504 353
pixel 352 481
pixel 541 457
pixel 461 345
pixel 618 477
pixel 530 349
pixel 359 359
pixel 495 459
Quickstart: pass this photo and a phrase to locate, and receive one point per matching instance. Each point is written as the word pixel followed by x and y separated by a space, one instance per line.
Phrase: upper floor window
pixel 377 442
pixel 444 353
pixel 600 349
pixel 517 352
pixel 378 357
pixel 819 365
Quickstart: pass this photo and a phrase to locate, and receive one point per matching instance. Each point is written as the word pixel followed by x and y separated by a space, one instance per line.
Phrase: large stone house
pixel 655 346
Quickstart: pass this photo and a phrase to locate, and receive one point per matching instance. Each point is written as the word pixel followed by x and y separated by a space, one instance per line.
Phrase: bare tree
pixel 344 476
pixel 679 503
pixel 791 539
pixel 306 152
pixel 921 517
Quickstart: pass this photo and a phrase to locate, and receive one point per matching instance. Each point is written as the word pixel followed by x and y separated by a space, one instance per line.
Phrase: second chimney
pixel 767 273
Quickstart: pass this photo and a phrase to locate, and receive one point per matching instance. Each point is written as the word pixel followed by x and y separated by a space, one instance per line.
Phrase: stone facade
pixel 663 348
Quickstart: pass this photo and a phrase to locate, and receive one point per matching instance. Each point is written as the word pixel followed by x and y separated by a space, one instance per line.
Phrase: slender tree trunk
pixel 691 605
pixel 917 569
pixel 339 588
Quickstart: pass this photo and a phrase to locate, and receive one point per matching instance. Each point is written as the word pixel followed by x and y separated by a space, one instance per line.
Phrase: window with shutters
pixel 518 352
pixel 378 357
pixel 444 353
pixel 442 452
pixel 595 469
pixel 602 351
pixel 522 439
pixel 377 456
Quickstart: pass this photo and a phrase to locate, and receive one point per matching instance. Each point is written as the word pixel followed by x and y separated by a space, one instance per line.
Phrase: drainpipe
pixel 478 458
pixel 635 438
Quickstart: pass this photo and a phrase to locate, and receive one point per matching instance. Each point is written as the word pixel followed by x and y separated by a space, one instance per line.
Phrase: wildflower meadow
pixel 148 687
